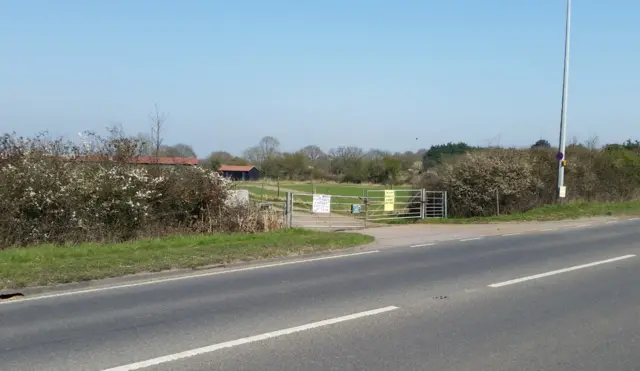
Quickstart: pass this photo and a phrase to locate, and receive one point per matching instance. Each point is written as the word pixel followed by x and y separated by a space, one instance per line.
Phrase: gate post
pixel 423 203
pixel 446 212
pixel 288 210
pixel 366 208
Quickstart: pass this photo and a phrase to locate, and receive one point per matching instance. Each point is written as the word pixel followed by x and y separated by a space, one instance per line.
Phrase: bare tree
pixel 313 153
pixel 253 155
pixel 146 143
pixel 179 150
pixel 592 142
pixel 157 123
pixel 269 147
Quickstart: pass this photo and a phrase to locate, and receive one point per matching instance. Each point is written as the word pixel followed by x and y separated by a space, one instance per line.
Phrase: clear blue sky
pixel 370 73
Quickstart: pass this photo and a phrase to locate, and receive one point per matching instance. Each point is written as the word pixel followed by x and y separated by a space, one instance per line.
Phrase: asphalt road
pixel 557 300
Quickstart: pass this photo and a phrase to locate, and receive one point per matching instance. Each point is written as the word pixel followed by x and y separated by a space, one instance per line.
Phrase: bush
pixel 55 192
pixel 517 180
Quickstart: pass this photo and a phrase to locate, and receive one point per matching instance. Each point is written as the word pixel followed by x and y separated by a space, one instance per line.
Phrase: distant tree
pixel 436 154
pixel 293 165
pixel 253 155
pixel 264 155
pixel 313 153
pixel 592 142
pixel 632 145
pixel 349 163
pixel 178 150
pixel 158 120
pixel 269 147
pixel 542 143
pixel 216 159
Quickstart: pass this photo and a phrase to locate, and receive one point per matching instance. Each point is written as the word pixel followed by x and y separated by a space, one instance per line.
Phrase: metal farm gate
pixel 333 212
pixel 397 204
pixel 337 212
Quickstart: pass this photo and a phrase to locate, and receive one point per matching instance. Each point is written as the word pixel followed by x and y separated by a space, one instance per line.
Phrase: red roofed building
pixel 239 172
pixel 148 160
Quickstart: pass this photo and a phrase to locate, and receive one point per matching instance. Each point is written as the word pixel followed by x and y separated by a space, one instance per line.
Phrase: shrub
pixel 55 192
pixel 517 180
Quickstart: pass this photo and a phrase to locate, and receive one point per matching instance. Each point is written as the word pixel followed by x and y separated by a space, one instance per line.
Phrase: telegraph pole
pixel 563 112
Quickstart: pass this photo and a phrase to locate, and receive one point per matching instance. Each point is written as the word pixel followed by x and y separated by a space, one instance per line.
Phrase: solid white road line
pixel 472 239
pixel 541 275
pixel 581 225
pixel 548 229
pixel 247 340
pixel 612 221
pixel 179 278
pixel 424 245
pixel 511 234
pixel 632 219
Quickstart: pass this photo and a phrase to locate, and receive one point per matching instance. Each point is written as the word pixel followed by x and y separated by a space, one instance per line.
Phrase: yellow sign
pixel 389 199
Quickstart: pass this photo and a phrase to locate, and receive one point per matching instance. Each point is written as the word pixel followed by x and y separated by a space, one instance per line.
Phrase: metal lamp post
pixel 563 113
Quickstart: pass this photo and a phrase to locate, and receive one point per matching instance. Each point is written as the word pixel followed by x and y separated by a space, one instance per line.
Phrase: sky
pixel 396 75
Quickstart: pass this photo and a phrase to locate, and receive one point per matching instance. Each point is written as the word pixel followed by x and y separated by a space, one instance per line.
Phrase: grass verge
pixel 547 213
pixel 48 265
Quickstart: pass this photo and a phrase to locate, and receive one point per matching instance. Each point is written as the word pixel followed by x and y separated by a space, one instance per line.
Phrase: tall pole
pixel 563 111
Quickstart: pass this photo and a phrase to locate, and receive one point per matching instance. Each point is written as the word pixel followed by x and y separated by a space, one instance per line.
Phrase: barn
pixel 239 172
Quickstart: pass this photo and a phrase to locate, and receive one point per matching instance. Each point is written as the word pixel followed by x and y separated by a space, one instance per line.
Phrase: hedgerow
pixel 517 180
pixel 54 191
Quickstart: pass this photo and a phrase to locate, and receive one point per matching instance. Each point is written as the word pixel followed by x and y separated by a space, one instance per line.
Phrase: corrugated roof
pixel 147 160
pixel 235 167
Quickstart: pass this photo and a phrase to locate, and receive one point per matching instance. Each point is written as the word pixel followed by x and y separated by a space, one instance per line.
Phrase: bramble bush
pixel 521 179
pixel 52 191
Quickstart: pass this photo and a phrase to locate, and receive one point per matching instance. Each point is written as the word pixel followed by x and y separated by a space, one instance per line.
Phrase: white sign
pixel 321 204
pixel 389 199
pixel 563 192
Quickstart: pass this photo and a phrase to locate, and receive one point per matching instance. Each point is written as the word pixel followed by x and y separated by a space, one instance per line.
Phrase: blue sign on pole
pixel 559 156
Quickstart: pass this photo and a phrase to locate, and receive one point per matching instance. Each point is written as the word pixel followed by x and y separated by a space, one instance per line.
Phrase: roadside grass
pixel 48 264
pixel 567 211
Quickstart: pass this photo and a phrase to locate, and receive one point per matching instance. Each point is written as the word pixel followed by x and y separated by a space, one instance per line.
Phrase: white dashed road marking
pixel 247 340
pixel 424 245
pixel 559 271
pixel 472 239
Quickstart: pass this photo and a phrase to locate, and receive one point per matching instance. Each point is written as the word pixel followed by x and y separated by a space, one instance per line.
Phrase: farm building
pixel 237 172
pixel 146 160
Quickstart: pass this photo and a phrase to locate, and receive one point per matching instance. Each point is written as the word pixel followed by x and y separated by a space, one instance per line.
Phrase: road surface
pixel 549 300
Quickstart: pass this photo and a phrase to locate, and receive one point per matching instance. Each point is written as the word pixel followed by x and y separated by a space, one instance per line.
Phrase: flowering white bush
pixel 55 199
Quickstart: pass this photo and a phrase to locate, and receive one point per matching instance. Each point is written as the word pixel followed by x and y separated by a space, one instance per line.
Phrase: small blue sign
pixel 355 209
pixel 559 156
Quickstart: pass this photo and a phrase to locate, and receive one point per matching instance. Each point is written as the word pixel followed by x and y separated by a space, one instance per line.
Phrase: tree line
pixel 345 164
pixel 356 165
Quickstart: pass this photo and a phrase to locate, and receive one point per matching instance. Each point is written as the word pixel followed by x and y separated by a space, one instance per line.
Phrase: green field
pixel 260 194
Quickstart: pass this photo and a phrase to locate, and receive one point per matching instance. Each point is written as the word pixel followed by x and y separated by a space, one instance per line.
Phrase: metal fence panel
pixel 393 204
pixel 341 212
pixel 389 204
pixel 435 204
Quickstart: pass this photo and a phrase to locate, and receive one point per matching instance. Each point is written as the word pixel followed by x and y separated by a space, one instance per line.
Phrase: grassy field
pixel 353 193
pixel 48 265
pixel 262 194
pixel 343 195
pixel 547 213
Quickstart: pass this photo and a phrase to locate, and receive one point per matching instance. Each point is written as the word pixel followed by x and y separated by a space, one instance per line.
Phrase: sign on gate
pixel 390 204
pixel 321 204
pixel 389 200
